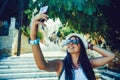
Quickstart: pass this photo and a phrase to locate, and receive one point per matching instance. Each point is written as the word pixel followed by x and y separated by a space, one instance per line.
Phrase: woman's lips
pixel 71 47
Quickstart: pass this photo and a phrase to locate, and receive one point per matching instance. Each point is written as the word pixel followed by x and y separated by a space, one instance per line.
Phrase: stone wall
pixel 6 41
pixel 8 44
pixel 25 47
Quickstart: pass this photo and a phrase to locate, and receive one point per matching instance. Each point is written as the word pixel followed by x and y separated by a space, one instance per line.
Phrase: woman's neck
pixel 75 57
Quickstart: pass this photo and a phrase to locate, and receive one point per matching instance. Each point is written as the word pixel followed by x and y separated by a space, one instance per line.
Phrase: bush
pixel 26 32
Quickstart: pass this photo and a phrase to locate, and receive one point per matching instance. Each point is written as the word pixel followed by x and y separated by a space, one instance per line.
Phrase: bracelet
pixel 33 42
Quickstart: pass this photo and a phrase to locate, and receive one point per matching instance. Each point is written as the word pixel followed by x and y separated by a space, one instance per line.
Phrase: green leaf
pixel 79 4
pixel 90 9
pixel 103 2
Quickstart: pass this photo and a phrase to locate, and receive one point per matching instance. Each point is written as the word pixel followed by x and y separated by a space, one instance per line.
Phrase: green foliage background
pixel 26 31
pixel 82 16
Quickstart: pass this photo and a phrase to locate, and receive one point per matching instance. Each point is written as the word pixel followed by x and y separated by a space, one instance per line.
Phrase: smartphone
pixel 43 10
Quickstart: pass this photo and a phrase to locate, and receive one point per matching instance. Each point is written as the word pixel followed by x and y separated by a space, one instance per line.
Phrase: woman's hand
pixel 34 24
pixel 90 46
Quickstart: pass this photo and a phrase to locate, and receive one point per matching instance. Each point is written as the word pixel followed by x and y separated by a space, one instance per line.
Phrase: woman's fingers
pixel 36 20
pixel 40 16
pixel 45 18
pixel 40 23
pixel 34 28
pixel 36 23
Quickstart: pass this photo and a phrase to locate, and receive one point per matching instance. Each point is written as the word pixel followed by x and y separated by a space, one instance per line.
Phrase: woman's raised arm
pixel 37 52
pixel 107 56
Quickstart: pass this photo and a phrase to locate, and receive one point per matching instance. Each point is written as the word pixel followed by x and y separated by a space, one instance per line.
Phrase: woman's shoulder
pixel 60 64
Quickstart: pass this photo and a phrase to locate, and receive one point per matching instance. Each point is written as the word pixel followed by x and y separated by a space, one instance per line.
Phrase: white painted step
pixel 20 70
pixel 17 66
pixel 24 68
pixel 18 63
pixel 28 75
pixel 27 59
pixel 48 78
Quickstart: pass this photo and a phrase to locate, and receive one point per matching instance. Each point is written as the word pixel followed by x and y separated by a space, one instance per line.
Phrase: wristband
pixel 91 46
pixel 34 42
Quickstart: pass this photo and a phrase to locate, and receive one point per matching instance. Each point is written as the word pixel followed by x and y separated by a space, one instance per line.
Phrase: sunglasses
pixel 74 41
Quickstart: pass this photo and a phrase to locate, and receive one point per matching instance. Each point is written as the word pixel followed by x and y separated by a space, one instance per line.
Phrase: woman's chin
pixel 71 51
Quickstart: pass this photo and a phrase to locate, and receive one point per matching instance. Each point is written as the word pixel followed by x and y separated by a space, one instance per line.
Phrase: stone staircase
pixel 24 68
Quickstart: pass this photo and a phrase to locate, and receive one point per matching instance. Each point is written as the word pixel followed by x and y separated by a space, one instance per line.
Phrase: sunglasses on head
pixel 74 41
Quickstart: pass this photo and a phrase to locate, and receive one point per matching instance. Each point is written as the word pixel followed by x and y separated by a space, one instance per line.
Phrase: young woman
pixel 76 65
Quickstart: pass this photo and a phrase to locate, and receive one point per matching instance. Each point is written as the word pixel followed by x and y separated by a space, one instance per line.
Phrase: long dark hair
pixel 84 63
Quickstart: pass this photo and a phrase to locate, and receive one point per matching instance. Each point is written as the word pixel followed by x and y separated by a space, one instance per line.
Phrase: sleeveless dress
pixel 79 74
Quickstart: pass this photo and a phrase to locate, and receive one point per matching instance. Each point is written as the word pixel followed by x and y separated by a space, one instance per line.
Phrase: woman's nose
pixel 71 43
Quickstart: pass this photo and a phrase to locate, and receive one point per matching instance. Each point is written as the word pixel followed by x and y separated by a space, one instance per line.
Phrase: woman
pixel 76 65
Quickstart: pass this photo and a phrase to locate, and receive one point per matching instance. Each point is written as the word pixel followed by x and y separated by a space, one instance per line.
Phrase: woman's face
pixel 72 47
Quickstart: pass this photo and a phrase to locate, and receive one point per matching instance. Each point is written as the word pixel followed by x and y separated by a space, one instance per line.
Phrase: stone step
pixel 17 66
pixel 28 75
pixel 33 75
pixel 27 59
pixel 31 57
pixel 98 71
pixel 111 74
pixel 17 63
pixel 48 78
pixel 47 54
pixel 26 70
pixel 104 77
pixel 20 70
pixel 21 61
